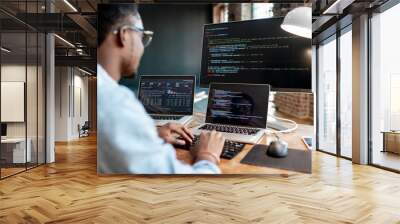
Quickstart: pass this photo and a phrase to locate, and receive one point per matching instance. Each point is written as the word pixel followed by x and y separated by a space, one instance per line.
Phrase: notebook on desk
pixel 168 98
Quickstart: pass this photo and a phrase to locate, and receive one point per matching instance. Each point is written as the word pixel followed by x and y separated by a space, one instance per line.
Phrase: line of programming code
pixel 167 96
pixel 232 105
pixel 257 51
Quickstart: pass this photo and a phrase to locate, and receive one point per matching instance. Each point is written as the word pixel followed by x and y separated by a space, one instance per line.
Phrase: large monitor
pixel 256 51
pixel 167 94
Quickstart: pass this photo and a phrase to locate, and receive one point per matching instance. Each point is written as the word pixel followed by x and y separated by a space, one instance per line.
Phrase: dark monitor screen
pixel 3 129
pixel 238 104
pixel 256 51
pixel 167 94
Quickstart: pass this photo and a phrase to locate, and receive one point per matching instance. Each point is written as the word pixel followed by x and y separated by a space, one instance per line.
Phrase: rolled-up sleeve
pixel 205 166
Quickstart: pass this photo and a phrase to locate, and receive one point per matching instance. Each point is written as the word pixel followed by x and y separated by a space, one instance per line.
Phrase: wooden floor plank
pixel 70 191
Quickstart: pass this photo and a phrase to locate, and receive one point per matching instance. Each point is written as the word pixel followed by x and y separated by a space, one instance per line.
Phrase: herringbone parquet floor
pixel 70 191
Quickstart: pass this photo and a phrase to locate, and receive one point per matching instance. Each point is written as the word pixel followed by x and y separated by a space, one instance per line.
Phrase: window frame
pixel 31 30
pixel 334 37
pixel 380 9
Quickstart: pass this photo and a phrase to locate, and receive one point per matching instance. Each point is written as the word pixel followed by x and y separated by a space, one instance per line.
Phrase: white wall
pixel 80 110
pixel 71 102
pixel 16 73
pixel 12 73
pixel 62 81
pixel 33 127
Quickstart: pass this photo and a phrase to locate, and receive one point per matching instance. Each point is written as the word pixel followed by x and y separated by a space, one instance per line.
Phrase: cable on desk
pixel 295 126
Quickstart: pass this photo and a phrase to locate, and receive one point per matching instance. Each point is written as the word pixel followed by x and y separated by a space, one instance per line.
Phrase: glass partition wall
pixel 334 94
pixel 346 95
pixel 385 89
pixel 22 77
pixel 327 96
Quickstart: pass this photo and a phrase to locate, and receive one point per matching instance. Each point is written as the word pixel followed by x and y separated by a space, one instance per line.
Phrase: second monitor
pixel 256 51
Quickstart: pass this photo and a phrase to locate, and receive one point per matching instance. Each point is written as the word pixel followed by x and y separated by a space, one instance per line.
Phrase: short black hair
pixel 110 16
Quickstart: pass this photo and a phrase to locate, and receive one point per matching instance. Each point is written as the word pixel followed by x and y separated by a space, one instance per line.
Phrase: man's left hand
pixel 168 130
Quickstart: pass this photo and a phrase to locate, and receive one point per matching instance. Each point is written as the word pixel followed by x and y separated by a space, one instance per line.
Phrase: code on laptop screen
pixel 238 104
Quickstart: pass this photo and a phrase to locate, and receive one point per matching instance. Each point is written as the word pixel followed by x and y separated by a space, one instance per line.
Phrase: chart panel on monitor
pixel 256 51
pixel 167 94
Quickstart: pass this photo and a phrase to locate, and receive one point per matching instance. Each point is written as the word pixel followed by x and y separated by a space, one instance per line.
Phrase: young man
pixel 128 141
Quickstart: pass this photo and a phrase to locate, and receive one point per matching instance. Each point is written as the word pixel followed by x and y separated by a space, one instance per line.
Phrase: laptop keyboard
pixel 166 117
pixel 230 150
pixel 230 129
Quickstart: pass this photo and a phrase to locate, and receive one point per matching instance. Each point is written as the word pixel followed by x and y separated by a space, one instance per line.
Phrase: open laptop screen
pixel 167 95
pixel 238 104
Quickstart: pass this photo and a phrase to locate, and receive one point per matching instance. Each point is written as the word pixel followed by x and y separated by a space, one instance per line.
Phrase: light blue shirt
pixel 127 139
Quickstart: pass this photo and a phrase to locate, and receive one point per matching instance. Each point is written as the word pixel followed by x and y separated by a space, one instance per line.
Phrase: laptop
pixel 168 98
pixel 238 111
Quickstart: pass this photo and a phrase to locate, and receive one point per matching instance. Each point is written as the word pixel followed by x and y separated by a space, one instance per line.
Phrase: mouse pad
pixel 296 160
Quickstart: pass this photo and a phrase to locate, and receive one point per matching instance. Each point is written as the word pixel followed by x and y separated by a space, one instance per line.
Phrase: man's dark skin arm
pixel 169 131
pixel 210 147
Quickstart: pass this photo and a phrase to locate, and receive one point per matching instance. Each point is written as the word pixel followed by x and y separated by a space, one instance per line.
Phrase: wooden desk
pixel 234 166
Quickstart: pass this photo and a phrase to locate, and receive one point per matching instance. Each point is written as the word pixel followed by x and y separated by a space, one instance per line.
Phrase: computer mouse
pixel 277 149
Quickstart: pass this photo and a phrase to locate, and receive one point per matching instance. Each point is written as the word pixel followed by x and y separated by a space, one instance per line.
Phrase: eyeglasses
pixel 147 35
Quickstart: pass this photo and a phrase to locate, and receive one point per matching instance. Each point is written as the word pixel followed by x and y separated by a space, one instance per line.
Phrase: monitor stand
pixel 200 95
